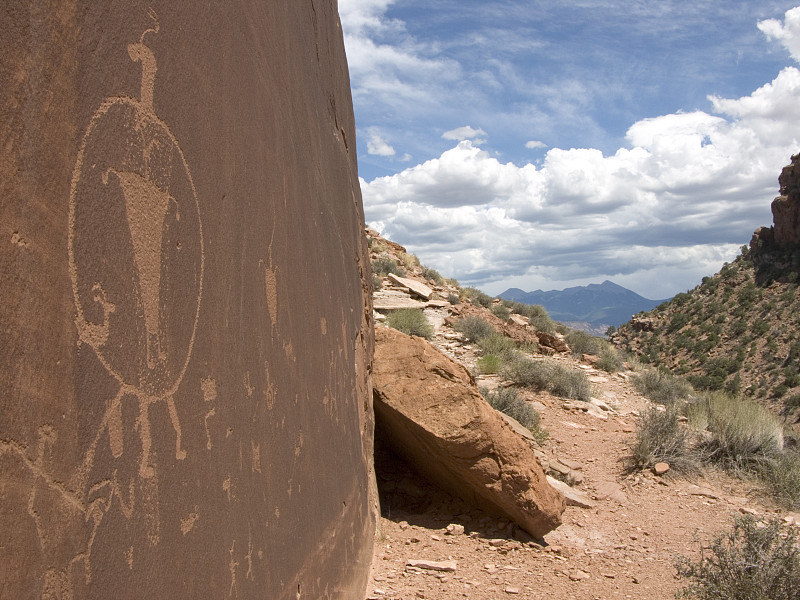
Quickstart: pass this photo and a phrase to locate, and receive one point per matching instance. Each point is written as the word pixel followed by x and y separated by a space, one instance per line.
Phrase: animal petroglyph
pixel 136 263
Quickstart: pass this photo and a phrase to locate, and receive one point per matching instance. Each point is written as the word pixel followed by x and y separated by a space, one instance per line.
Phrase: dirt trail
pixel 624 546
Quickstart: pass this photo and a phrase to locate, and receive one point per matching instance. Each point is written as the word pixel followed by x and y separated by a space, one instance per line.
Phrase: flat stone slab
pixel 390 304
pixel 574 497
pixel 415 287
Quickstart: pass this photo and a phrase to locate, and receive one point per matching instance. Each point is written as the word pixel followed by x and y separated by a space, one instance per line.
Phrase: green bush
pixel 581 342
pixel 489 364
pixel 755 561
pixel 782 477
pixel 377 282
pixel 660 386
pixel 501 311
pixel 477 297
pixel 507 401
pixel 661 438
pixel 741 434
pixel 610 359
pixel 473 328
pixel 496 343
pixel 549 375
pixel 385 265
pixel 433 275
pixel 453 299
pixel 411 321
pixel 539 319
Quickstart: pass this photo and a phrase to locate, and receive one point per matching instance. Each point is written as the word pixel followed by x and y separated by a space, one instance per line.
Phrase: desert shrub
pixel 507 401
pixel 377 282
pixel 473 328
pixel 453 299
pixel 385 265
pixel 754 561
pixel 411 321
pixel 497 344
pixel 489 364
pixel 433 275
pixel 549 375
pixel 660 386
pixel 410 261
pixel 581 342
pixel 610 359
pixel 740 433
pixel 791 403
pixel 538 317
pixel 661 438
pixel 477 297
pixel 781 475
pixel 501 311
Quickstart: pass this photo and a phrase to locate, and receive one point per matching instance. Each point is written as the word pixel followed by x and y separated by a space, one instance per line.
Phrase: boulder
pixel 428 410
pixel 554 342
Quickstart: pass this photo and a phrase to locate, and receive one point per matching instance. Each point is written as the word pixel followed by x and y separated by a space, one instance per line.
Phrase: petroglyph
pixel 137 290
pixel 232 565
pixel 256 452
pixel 188 523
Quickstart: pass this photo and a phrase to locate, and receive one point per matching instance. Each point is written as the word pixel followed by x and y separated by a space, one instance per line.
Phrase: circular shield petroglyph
pixel 136 245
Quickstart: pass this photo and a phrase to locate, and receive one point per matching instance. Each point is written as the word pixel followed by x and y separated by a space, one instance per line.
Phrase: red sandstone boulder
pixel 428 410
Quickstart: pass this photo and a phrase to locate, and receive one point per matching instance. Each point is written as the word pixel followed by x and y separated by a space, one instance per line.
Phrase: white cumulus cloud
pixel 377 145
pixel 686 191
pixel 787 33
pixel 465 133
pixel 534 144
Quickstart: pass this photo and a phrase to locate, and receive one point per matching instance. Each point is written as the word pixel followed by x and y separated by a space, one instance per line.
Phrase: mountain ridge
pixel 599 304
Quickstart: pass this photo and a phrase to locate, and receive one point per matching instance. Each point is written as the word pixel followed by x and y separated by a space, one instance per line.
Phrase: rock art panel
pixel 186 404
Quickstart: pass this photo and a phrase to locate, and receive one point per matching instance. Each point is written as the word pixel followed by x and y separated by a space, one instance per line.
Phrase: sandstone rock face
pixel 185 394
pixel 428 410
pixel 786 207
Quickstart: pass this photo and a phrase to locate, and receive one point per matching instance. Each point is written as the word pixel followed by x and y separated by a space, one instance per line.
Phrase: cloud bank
pixel 656 215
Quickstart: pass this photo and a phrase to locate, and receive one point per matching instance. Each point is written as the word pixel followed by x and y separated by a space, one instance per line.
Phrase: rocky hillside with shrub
pixel 651 468
pixel 738 330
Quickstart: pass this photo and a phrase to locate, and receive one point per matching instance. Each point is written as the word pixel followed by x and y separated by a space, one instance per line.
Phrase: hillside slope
pixel 739 330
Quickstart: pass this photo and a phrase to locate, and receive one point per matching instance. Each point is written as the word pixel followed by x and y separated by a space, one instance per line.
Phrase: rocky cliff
pixel 176 182
pixel 737 330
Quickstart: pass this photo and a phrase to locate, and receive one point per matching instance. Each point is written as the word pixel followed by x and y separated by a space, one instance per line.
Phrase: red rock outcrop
pixel 786 207
pixel 429 411
pixel 185 402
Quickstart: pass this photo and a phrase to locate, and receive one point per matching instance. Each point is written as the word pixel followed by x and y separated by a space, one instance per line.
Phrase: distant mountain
pixel 600 305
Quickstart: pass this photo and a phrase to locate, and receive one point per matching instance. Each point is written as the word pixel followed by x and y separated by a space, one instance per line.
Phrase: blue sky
pixel 547 144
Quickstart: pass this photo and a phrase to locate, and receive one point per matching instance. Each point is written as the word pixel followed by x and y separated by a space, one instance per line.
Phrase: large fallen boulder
pixel 428 410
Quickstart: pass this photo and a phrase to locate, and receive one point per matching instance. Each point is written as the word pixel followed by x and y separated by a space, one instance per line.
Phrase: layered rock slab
pixel 428 410
pixel 185 404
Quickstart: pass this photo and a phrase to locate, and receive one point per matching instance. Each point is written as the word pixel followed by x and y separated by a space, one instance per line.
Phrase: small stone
pixel 403 525
pixel 497 543
pixel 433 565
pixel 661 468
pixel 436 538
pixel 578 575
pixel 509 589
pixel 454 529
